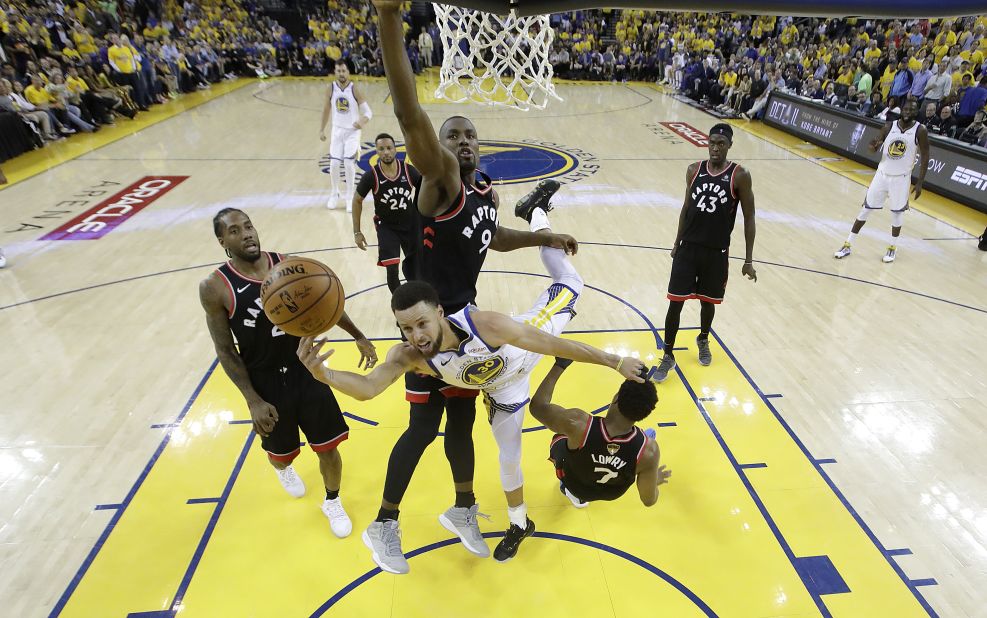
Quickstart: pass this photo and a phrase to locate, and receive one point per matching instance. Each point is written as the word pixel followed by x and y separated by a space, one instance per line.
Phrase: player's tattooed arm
pixel 212 295
pixel 400 359
pixel 570 422
pixel 689 175
pixel 650 475
pixel 506 239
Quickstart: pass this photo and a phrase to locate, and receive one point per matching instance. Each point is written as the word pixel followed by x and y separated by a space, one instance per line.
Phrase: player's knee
pixel 331 456
pixel 864 213
pixel 675 307
pixel 897 217
pixel 510 473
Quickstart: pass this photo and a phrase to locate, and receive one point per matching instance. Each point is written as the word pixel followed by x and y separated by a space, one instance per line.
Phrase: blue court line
pixel 825 461
pixel 679 349
pixel 774 395
pixel 242 421
pixel 667 425
pixel 749 466
pixel 361 419
pixel 161 613
pixel 846 503
pixel 202 500
pixel 164 425
pixel 904 551
pixel 924 582
pixel 685 591
pixel 107 507
pixel 819 574
pixel 62 600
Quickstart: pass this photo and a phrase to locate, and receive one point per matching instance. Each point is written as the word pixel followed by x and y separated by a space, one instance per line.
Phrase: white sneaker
pixel 3 259
pixel 576 502
pixel 889 256
pixel 291 482
pixel 331 204
pixel 843 252
pixel 339 521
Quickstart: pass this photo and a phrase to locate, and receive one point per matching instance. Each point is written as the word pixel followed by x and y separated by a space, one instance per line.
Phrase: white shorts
pixel 893 188
pixel 345 143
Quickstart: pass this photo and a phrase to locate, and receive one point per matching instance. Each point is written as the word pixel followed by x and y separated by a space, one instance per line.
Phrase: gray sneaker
pixel 705 356
pixel 462 522
pixel 661 371
pixel 384 540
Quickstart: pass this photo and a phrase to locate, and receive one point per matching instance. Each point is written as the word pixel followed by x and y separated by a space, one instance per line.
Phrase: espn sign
pixel 688 132
pixel 104 217
pixel 970 178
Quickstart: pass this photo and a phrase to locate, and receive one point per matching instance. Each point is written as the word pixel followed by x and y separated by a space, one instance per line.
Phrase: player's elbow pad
pixel 365 110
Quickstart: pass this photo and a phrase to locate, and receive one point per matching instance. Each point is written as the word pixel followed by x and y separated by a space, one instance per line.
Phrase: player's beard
pixel 436 347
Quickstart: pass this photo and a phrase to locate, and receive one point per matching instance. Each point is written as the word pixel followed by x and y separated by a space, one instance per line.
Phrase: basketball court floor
pixel 828 463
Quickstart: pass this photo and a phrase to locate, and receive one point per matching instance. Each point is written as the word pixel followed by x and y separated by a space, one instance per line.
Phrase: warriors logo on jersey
pixel 897 149
pixel 342 105
pixel 483 371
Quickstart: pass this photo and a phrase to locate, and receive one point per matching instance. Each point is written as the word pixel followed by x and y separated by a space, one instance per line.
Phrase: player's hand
pixel 322 137
pixel 918 190
pixel 749 272
pixel 368 354
pixel 563 241
pixel 674 251
pixel 663 475
pixel 632 369
pixel 361 240
pixel 264 416
pixel 308 353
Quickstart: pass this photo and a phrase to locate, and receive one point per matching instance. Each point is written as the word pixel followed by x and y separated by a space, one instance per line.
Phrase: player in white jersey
pixel 350 113
pixel 900 143
pixel 482 350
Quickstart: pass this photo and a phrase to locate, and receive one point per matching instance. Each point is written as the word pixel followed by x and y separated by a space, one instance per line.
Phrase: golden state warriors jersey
pixel 899 150
pixel 345 110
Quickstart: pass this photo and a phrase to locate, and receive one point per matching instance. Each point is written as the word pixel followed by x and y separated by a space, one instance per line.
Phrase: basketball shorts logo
pixel 342 105
pixel 613 448
pixel 897 149
pixel 482 372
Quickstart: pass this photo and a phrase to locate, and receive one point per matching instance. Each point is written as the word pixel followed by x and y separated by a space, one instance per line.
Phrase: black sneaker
pixel 508 546
pixel 538 198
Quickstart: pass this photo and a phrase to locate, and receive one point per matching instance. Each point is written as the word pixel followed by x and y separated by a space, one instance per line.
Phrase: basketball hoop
pixel 493 59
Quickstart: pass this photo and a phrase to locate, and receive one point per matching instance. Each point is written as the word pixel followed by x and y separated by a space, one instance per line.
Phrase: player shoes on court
pixel 384 540
pixel 508 546
pixel 843 252
pixel 339 521
pixel 461 521
pixel 291 482
pixel 705 356
pixel 576 502
pixel 538 198
pixel 661 371
pixel 889 256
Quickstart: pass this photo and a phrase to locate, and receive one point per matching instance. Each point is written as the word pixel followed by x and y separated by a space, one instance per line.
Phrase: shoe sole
pixel 339 536
pixel 376 557
pixel 448 525
pixel 670 370
pixel 512 556
pixel 707 363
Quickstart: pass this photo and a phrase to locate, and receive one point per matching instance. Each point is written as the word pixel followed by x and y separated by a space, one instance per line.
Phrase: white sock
pixel 518 515
pixel 894 241
pixel 350 166
pixel 539 220
pixel 851 238
pixel 334 176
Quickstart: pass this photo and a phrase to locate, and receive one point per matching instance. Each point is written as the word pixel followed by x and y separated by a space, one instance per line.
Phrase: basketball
pixel 302 297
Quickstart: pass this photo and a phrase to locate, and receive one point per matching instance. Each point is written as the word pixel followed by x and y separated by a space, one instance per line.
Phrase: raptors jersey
pixel 345 110
pixel 603 467
pixel 455 244
pixel 498 372
pixel 261 344
pixel 899 150
pixel 711 207
pixel 394 197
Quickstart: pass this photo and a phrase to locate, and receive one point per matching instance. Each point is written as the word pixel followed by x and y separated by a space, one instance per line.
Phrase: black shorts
pixel 391 242
pixel 422 388
pixel 302 402
pixel 699 272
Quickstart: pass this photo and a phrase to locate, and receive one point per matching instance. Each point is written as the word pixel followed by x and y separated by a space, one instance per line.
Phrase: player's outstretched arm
pixel 368 353
pixel 569 422
pixel 506 239
pixel 399 360
pixel 434 162
pixel 650 475
pixel 498 329
pixel 745 190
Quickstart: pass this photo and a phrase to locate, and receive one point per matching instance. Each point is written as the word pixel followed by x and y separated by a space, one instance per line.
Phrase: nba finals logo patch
pixel 509 162
pixel 613 448
pixel 481 372
pixel 897 148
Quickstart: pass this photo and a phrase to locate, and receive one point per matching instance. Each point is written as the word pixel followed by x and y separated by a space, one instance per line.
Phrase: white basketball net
pixel 493 59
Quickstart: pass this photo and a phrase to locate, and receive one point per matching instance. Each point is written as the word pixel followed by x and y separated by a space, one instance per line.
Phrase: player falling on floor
pixel 261 361
pixel 350 113
pixel 701 252
pixel 393 183
pixel 458 208
pixel 900 142
pixel 480 349
pixel 600 457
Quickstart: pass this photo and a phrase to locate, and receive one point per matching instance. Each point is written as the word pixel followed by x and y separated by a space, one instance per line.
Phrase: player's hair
pixel 217 221
pixel 636 400
pixel 444 123
pixel 411 293
pixel 383 136
pixel 345 61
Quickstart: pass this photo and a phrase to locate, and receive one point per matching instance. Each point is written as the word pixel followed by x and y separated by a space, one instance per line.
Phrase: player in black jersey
pixel 599 458
pixel 459 224
pixel 700 254
pixel 261 361
pixel 393 183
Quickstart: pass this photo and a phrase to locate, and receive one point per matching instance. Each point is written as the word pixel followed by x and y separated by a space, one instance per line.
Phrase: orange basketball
pixel 302 297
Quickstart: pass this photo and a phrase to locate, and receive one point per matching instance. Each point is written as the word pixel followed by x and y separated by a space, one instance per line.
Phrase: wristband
pixel 619 363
